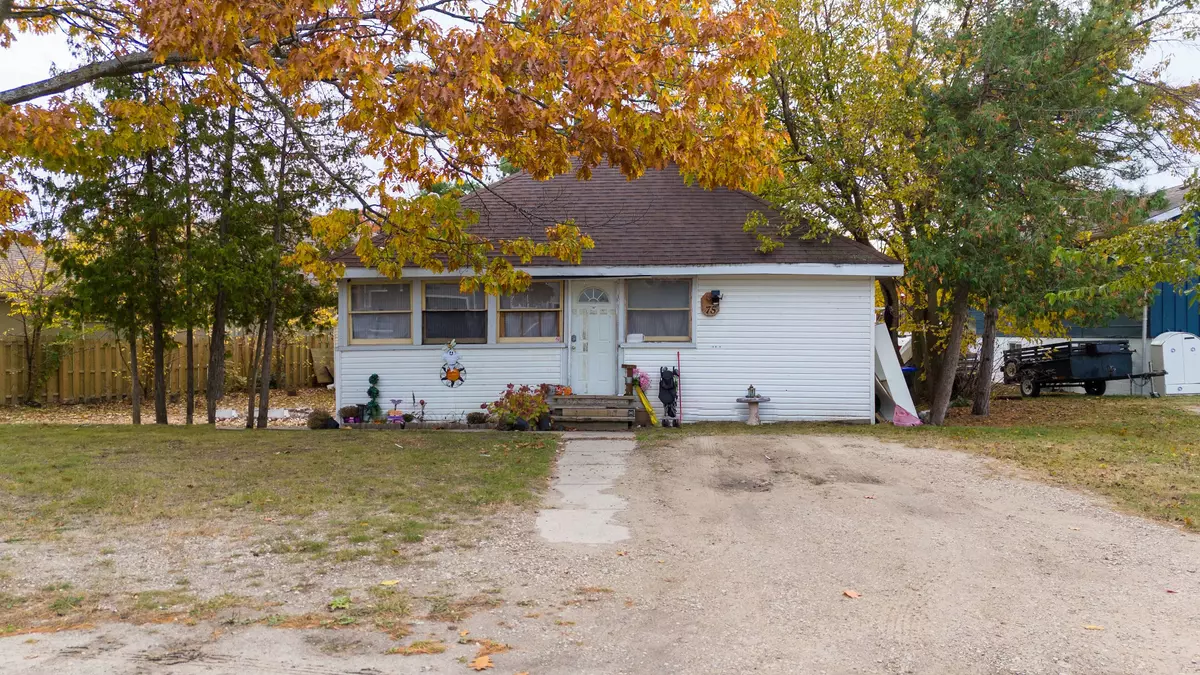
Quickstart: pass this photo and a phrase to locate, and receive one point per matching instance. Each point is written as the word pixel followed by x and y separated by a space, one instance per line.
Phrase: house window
pixel 593 295
pixel 659 309
pixel 451 314
pixel 533 315
pixel 380 313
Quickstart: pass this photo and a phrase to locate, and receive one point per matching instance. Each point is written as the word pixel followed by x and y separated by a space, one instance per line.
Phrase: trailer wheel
pixel 1030 386
pixel 1095 387
pixel 1011 370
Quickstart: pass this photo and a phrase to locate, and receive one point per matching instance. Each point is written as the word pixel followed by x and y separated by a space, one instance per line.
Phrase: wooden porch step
pixel 588 401
pixel 611 425
pixel 568 419
pixel 594 412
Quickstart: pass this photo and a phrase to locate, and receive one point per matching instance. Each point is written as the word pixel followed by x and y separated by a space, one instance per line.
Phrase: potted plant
pixel 349 414
pixel 517 406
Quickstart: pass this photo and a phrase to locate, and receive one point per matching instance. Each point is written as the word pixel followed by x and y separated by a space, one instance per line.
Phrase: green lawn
pixel 1142 453
pixel 374 482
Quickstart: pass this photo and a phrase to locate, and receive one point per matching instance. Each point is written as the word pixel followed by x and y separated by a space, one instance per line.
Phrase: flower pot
pixel 543 422
pixel 521 425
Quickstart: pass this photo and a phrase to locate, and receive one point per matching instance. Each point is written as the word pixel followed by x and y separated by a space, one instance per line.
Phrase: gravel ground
pixel 741 554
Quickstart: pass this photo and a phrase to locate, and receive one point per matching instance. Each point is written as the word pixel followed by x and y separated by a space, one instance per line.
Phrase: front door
pixel 594 337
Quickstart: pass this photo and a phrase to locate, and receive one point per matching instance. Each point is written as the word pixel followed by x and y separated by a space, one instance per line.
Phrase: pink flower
pixel 422 401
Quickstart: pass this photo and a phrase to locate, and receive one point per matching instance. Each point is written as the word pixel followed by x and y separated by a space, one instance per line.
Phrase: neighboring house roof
pixel 655 220
pixel 1174 208
pixel 23 272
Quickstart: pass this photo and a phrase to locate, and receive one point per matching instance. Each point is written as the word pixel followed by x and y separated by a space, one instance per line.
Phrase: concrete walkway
pixel 583 510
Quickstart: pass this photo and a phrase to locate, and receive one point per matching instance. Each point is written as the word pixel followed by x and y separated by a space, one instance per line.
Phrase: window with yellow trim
pixel 380 313
pixel 534 315
pixel 449 314
pixel 659 309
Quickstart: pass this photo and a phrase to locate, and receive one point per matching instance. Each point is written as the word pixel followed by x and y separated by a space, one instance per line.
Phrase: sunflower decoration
pixel 452 370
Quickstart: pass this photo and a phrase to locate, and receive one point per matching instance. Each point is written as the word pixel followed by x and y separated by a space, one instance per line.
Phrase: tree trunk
pixel 157 324
pixel 987 360
pixel 190 364
pixel 252 376
pixel 189 299
pixel 948 366
pixel 33 364
pixel 264 395
pixel 277 236
pixel 160 375
pixel 135 382
pixel 215 388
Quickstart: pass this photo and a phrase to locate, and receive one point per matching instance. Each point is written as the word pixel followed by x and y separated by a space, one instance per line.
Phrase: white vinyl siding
pixel 408 371
pixel 805 342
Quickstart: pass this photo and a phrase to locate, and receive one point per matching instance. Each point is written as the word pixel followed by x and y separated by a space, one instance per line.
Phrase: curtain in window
pixel 380 298
pixel 453 315
pixel 517 315
pixel 659 323
pixel 659 308
pixel 381 327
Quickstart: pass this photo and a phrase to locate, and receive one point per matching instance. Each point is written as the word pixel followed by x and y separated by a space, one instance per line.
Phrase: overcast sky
pixel 31 58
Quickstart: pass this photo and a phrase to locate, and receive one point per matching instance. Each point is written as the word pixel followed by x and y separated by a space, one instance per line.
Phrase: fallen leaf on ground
pixel 852 594
pixel 482 663
pixel 389 582
pixel 1171 591
pixel 622 552
pixel 868 496
pixel 464 633
pixel 488 647
pixel 1092 626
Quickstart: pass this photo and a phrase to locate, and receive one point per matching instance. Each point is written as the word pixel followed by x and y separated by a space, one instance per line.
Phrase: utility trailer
pixel 1069 364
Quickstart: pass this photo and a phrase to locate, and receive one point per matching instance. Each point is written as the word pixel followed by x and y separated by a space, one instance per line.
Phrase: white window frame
pixel 662 338
pixel 350 312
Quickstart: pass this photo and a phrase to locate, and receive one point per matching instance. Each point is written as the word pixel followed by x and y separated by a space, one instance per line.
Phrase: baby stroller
pixel 668 394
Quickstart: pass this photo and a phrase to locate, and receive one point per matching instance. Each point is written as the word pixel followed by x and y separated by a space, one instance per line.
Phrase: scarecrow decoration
pixel 452 370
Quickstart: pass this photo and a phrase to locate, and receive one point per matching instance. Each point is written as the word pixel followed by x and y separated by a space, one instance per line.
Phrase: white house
pixel 796 323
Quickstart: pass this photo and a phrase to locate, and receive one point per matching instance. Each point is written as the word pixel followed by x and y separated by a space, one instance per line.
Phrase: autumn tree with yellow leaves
pixel 439 91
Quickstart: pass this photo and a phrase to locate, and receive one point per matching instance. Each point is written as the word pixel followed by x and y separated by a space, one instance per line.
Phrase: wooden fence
pixel 95 369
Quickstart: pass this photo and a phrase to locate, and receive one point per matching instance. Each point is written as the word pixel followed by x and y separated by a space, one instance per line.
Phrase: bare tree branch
pixel 130 64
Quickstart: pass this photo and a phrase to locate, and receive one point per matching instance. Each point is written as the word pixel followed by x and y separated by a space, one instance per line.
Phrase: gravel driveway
pixel 741 551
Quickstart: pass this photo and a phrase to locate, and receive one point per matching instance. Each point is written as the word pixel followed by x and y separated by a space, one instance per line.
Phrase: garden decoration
pixel 452 370
pixel 349 414
pixel 373 413
pixel 752 399
pixel 395 415
pixel 668 390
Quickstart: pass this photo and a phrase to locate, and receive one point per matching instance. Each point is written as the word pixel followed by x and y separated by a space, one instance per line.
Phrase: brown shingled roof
pixel 657 219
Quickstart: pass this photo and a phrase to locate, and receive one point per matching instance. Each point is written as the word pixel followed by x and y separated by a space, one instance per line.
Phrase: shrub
pixel 477 418
pixel 348 411
pixel 518 403
pixel 319 419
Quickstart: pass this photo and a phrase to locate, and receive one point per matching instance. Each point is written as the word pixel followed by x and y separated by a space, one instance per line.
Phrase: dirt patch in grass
pixel 1142 453
pixel 167 524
